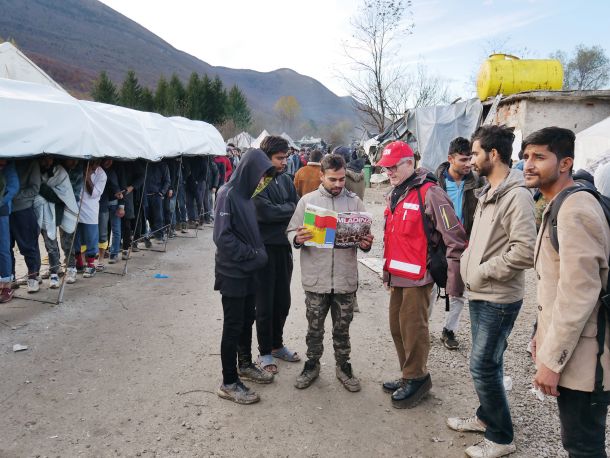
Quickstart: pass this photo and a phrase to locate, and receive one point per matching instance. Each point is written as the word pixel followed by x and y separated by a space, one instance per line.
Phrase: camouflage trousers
pixel 341 308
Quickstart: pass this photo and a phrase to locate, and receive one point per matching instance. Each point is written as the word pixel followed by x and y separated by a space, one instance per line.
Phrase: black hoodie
pixel 239 246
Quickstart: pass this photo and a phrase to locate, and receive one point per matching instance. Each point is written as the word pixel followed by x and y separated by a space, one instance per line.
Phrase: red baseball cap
pixel 394 152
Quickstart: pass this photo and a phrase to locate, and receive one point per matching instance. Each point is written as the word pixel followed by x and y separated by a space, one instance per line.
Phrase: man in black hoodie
pixel 240 253
pixel 274 208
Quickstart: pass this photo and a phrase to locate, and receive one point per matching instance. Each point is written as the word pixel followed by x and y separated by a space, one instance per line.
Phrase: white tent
pixel 257 143
pixel 592 145
pixel 38 119
pixel 290 141
pixel 14 65
pixel 242 140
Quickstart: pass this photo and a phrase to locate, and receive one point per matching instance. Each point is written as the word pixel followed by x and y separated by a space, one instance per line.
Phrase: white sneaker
pixel 33 285
pixel 71 275
pixel 470 425
pixel 54 281
pixel 489 449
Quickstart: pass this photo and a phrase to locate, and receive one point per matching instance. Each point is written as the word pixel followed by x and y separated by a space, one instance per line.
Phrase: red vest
pixel 405 242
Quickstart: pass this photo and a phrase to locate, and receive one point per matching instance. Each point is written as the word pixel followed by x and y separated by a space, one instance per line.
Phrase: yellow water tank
pixel 506 74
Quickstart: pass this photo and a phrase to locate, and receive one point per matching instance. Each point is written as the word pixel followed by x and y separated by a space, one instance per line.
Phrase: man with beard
pixel 329 276
pixel 571 276
pixel 274 208
pixel 501 247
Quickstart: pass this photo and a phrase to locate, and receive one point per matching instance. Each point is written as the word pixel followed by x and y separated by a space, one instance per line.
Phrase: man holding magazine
pixel 329 274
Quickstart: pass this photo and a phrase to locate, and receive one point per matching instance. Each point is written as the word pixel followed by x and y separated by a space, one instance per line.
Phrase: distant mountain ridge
pixel 73 40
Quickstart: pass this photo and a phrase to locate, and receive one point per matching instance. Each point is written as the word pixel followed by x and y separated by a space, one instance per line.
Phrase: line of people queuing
pixel 469 228
pixel 97 211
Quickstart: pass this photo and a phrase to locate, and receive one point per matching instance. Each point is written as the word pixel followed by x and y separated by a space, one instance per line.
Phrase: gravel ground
pixel 128 366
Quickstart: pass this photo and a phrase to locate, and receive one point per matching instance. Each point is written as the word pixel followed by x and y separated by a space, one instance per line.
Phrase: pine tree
pixel 205 88
pixel 193 93
pixel 131 91
pixel 237 109
pixel 104 90
pixel 161 94
pixel 147 100
pixel 218 102
pixel 176 97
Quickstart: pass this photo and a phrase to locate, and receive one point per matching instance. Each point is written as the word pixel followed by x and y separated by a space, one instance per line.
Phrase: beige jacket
pixel 323 269
pixel 568 291
pixel 501 243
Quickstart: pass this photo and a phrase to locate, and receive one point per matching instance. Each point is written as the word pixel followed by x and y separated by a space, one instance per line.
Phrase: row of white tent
pixel 38 116
pixel 245 140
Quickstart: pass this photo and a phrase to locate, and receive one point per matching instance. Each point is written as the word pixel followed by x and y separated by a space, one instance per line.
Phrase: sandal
pixel 287 355
pixel 267 363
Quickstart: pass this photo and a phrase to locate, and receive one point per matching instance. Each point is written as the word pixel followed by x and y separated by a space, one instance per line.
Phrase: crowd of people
pixel 98 211
pixel 470 229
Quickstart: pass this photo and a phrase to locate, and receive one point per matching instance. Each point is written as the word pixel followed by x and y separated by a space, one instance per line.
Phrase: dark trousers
pixel 25 231
pixel 126 232
pixel 236 335
pixel 154 213
pixel 191 202
pixel 491 324
pixel 273 298
pixel 583 425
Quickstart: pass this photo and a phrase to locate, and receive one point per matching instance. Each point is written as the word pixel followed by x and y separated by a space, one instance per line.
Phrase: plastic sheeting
pixel 242 140
pixel 14 65
pixel 592 146
pixel 435 127
pixel 39 119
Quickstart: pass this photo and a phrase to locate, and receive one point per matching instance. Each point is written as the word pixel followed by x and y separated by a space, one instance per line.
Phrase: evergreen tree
pixel 217 102
pixel 104 90
pixel 147 100
pixel 205 88
pixel 161 94
pixel 131 91
pixel 193 94
pixel 237 109
pixel 176 97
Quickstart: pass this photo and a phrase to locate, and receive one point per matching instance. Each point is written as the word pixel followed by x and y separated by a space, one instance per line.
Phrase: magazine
pixel 336 230
pixel 351 227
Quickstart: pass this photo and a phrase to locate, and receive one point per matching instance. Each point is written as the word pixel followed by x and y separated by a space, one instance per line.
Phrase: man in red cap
pixel 420 227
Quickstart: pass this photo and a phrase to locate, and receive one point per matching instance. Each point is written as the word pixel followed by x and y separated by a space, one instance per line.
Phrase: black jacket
pixel 240 250
pixel 274 208
pixel 471 182
pixel 131 174
pixel 213 174
pixel 157 179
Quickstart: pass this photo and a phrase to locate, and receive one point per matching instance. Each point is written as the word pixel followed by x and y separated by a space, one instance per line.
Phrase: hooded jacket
pixel 240 250
pixel 354 181
pixel 274 208
pixel 469 200
pixel 325 270
pixel 501 243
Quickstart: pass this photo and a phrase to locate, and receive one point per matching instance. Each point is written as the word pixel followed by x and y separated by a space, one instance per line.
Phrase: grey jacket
pixel 324 270
pixel 29 184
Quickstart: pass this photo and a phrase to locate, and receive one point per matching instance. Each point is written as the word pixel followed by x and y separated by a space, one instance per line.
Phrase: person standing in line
pixel 419 221
pixel 74 168
pixel 329 276
pixel 240 253
pixel 275 206
pixel 307 178
pixel 501 247
pixel 459 181
pixel 23 222
pixel 570 279
pixel 9 187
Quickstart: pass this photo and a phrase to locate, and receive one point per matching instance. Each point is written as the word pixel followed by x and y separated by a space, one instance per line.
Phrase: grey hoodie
pixel 501 243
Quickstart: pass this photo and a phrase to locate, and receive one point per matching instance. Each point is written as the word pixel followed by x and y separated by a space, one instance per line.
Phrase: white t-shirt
pixel 90 203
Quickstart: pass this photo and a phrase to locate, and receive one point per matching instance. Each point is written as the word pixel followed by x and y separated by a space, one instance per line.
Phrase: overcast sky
pixel 451 36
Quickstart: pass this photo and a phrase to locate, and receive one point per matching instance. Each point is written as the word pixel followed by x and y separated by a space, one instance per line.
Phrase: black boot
pixel 411 392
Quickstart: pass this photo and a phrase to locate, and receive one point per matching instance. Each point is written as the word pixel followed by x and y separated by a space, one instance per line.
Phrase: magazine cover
pixel 351 227
pixel 322 223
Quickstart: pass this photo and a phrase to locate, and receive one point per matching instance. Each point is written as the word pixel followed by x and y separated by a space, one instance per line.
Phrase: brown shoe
pixel 6 294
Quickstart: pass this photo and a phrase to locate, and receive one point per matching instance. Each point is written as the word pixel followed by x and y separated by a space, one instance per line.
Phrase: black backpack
pixel 599 396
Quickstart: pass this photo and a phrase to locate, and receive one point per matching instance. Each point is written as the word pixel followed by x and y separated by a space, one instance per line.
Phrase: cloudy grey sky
pixel 451 36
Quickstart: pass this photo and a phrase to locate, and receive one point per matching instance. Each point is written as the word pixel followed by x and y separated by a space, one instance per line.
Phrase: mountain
pixel 73 40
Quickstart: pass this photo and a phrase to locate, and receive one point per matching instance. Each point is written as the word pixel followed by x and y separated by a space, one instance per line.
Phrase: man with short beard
pixel 329 276
pixel 501 247
pixel 569 282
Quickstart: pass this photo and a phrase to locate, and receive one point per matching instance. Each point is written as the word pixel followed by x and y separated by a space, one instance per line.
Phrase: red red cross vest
pixel 405 243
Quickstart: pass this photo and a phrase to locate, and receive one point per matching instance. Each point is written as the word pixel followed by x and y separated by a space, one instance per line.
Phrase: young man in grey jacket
pixel 329 276
pixel 501 248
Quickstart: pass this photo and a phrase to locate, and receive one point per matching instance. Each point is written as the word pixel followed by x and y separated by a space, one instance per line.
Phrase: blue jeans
pixel 24 232
pixel 6 263
pixel 115 227
pixel 88 235
pixel 491 325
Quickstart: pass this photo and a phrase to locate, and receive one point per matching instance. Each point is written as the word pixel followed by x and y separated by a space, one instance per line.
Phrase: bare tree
pixel 375 71
pixel 587 69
